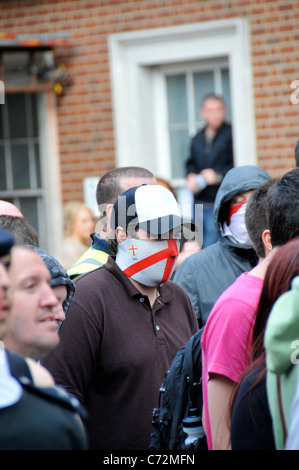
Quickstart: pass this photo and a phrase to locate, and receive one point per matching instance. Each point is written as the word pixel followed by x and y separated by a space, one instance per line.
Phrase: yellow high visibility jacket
pixel 93 258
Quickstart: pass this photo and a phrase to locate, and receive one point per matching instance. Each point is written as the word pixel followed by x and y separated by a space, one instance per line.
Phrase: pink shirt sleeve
pixel 225 347
pixel 227 339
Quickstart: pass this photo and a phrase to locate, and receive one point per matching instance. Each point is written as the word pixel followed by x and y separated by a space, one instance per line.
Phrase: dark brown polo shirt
pixel 114 352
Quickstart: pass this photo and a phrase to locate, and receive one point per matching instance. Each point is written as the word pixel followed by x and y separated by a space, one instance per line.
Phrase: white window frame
pixel 215 66
pixel 139 89
pixel 50 171
pixel 194 120
pixel 49 195
pixel 50 202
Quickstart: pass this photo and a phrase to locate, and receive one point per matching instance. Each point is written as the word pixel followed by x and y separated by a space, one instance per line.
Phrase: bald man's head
pixel 7 208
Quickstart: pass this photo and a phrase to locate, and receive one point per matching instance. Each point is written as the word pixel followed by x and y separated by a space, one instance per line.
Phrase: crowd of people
pixel 88 344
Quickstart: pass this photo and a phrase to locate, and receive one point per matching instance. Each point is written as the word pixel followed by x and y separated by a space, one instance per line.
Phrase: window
pixel 20 166
pixel 29 150
pixel 185 91
pixel 155 72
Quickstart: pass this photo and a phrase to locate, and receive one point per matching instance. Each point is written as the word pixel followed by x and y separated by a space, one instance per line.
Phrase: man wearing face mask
pixel 126 322
pixel 206 274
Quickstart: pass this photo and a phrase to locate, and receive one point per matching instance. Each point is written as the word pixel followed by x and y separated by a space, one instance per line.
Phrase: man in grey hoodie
pixel 206 274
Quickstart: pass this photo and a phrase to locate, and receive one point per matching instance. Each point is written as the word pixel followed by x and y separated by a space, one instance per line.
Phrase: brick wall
pixel 85 110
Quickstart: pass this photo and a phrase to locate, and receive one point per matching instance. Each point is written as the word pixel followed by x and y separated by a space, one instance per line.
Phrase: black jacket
pixel 218 156
pixel 43 418
pixel 206 274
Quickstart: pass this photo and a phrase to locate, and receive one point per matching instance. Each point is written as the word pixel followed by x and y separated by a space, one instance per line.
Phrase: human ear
pixel 108 212
pixel 266 237
pixel 109 208
pixel 120 234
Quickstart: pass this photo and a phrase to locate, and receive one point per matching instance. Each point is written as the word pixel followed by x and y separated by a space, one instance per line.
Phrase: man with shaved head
pixel 111 185
pixel 12 219
pixel 7 208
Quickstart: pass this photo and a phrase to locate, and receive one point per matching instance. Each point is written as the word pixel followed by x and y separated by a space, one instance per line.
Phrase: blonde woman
pixel 79 224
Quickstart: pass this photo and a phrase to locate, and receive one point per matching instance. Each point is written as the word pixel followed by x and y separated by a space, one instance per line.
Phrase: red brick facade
pixel 85 115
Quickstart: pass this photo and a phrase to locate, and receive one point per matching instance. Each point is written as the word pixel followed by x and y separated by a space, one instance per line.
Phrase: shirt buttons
pixel 157 327
pixel 141 299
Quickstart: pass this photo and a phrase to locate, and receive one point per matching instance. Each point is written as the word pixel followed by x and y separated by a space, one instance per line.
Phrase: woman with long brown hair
pixel 251 426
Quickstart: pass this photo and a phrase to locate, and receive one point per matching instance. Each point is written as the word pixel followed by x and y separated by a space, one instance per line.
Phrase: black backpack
pixel 180 397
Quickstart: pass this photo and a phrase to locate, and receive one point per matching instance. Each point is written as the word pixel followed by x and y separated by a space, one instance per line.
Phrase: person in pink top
pixel 226 339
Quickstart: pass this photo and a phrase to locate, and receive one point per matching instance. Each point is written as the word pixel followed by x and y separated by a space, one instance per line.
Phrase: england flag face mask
pixel 236 230
pixel 150 262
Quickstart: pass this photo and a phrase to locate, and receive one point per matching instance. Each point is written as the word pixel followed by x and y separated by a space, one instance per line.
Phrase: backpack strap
pixel 188 362
pixel 189 366
pixel 188 359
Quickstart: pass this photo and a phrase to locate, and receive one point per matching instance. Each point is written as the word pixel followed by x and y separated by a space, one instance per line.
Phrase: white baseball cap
pixel 150 207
